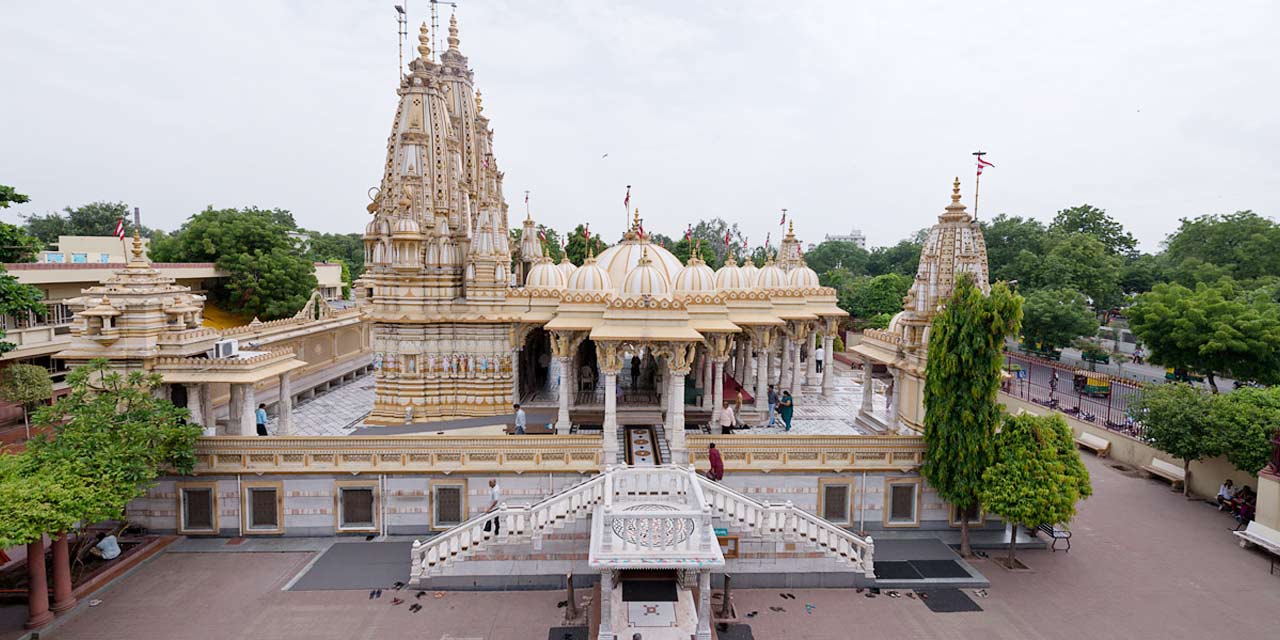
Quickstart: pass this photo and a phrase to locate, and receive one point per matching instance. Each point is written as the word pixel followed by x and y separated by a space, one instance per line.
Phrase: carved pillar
pixel 284 408
pixel 610 364
pixel 828 362
pixel 38 613
pixel 784 363
pixel 810 367
pixel 867 386
pixel 890 401
pixel 606 598
pixel 248 425
pixel 195 394
pixel 62 598
pixel 740 361
pixel 762 373
pixel 515 376
pixel 707 382
pixel 206 409
pixel 704 605
pixel 796 372
pixel 681 363
pixel 717 396
pixel 233 410
pixel 562 416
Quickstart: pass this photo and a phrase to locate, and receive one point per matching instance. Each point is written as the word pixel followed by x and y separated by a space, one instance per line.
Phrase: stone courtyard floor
pixel 1144 563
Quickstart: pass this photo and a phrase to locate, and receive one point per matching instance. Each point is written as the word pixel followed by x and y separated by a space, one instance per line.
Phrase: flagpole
pixel 977 180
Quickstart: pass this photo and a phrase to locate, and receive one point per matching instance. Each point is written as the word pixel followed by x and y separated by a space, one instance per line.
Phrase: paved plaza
pixel 1145 562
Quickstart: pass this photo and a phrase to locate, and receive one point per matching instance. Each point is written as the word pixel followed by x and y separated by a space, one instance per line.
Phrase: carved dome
pixel 770 277
pixel 590 277
pixel 646 279
pixel 802 277
pixel 622 258
pixel 749 270
pixel 695 277
pixel 730 277
pixel 545 275
pixel 407 227
pixel 375 228
pixel 566 268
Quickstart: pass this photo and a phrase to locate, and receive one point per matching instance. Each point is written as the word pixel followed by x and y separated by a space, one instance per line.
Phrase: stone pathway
pixel 335 413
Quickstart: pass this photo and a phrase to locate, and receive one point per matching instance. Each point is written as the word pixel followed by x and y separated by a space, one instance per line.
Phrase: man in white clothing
pixel 495 497
pixel 727 419
pixel 817 358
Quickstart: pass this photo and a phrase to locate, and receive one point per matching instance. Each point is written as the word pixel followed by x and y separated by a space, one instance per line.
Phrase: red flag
pixel 784 218
pixel 744 243
pixel 526 197
pixel 586 231
pixel 983 163
pixel 120 228
pixel 726 238
pixel 640 228
pixel 766 239
pixel 626 202
pixel 688 233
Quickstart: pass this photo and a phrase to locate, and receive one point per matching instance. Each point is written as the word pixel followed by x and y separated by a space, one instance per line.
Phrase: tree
pixel 93 219
pixel 1095 222
pixel 834 254
pixel 1175 418
pixel 711 233
pixel 1214 330
pixel 962 380
pixel 577 243
pixel 347 248
pixel 1037 476
pixel 1055 317
pixel 17 245
pixel 17 299
pixel 1242 244
pixel 684 248
pixel 25 385
pixel 870 297
pixel 1245 422
pixel 902 258
pixel 1007 237
pixel 1079 261
pixel 1140 273
pixel 268 276
pixel 9 195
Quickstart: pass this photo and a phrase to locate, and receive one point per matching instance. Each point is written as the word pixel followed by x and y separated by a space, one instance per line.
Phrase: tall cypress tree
pixel 962 380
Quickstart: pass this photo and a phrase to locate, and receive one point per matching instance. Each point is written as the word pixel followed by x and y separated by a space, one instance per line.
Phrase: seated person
pixel 107 547
pixel 1225 493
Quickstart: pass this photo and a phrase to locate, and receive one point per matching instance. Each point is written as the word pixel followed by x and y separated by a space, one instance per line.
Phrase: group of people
pixel 1240 503
pixel 781 409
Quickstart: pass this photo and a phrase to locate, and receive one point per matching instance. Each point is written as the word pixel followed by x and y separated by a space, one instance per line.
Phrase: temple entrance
pixel 536 368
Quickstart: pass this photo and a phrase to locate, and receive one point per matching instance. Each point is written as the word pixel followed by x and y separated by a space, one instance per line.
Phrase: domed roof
pixel 730 277
pixel 770 277
pixel 566 268
pixel 646 279
pixel 803 277
pixel 590 277
pixel 749 270
pixel 375 227
pixel 407 226
pixel 622 258
pixel 695 277
pixel 545 275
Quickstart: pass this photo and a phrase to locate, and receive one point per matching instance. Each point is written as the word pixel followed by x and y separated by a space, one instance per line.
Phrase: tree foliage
pixel 268 275
pixel 347 248
pixel 962 380
pixel 683 248
pixel 882 294
pixel 9 195
pixel 1176 420
pixel 577 245
pixel 25 385
pixel 1241 245
pixel 17 299
pixel 1007 239
pixel 1244 422
pixel 93 219
pixel 1079 261
pixel 1055 317
pixel 841 254
pixel 902 258
pixel 16 245
pixel 1094 222
pixel 1036 476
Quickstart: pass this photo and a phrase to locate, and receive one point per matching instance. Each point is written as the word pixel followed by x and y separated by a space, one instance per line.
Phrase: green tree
pixel 834 254
pixel 577 244
pixel 870 297
pixel 1095 222
pixel 268 276
pixel 1079 261
pixel 1214 330
pixel 17 299
pixel 1037 477
pixel 1245 421
pixel 902 258
pixel 347 248
pixel 683 248
pixel 711 232
pixel 16 245
pixel 1055 317
pixel 1176 420
pixel 1007 238
pixel 1140 273
pixel 962 380
pixel 93 219
pixel 1242 245
pixel 26 385
pixel 9 195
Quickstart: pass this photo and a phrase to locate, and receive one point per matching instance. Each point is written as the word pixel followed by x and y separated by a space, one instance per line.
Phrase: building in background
pixel 855 236
pixel 89 250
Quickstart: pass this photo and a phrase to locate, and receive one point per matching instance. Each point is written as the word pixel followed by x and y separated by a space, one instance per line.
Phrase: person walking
pixel 521 420
pixel 728 420
pixel 818 355
pixel 260 416
pixel 716 472
pixel 495 496
pixel 773 407
pixel 786 406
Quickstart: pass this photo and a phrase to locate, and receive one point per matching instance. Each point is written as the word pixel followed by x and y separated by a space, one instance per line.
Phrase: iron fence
pixel 1068 390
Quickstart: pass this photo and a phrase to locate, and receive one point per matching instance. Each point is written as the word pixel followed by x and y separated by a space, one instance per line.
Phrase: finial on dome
pixel 424 43
pixel 791 227
pixel 644 257
pixel 955 191
pixel 137 247
pixel 453 31
pixel 635 220
pixel 479 103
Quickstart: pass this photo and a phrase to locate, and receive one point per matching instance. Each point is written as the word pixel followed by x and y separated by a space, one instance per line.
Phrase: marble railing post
pixel 717 396
pixel 284 407
pixel 562 416
pixel 828 363
pixel 610 426
pixel 704 605
pixel 606 606
pixel 867 387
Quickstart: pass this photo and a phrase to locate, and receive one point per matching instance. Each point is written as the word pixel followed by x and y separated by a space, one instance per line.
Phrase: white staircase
pixel 780 522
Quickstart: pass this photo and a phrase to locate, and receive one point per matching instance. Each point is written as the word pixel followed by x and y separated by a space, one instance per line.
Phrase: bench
pixel 1100 446
pixel 1260 535
pixel 1167 470
pixel 1056 533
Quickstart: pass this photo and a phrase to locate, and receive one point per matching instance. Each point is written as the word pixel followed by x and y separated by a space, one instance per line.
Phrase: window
pixel 448 504
pixel 357 506
pixel 976 519
pixel 104 258
pixel 902 496
pixel 261 507
pixel 55 258
pixel 80 258
pixel 197 508
pixel 833 499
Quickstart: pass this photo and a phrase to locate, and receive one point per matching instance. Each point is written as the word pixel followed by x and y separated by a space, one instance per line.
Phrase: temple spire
pixel 424 43
pixel 453 32
pixel 955 191
pixel 479 103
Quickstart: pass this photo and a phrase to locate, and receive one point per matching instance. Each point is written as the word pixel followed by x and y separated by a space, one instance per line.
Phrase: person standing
pixel 728 420
pixel 495 497
pixel 786 406
pixel 260 417
pixel 635 371
pixel 773 406
pixel 818 355
pixel 716 472
pixel 520 419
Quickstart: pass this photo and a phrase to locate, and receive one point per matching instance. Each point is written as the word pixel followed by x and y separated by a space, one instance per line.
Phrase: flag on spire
pixel 120 228
pixel 626 201
pixel 586 231
pixel 983 163
pixel 744 243
pixel 726 238
pixel 688 232
pixel 542 234
pixel 784 218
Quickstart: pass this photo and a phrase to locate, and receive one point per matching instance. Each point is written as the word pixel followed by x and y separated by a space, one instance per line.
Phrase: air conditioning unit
pixel 226 348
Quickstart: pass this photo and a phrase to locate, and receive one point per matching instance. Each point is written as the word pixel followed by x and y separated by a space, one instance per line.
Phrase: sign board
pixel 722 532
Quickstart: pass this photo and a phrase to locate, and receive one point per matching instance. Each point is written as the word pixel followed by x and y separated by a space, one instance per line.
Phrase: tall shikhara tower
pixel 437 254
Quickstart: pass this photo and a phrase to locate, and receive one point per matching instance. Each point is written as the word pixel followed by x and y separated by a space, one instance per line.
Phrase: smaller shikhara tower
pixel 437 253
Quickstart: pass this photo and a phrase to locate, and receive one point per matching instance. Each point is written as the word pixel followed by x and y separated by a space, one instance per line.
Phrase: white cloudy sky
pixel 850 114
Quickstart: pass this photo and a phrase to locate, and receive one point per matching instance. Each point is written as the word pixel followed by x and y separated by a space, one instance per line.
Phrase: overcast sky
pixel 850 114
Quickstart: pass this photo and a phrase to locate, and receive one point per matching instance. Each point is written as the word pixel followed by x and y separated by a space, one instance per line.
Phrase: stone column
pixel 515 376
pixel 248 426
pixel 284 407
pixel 606 603
pixel 195 406
pixel 707 382
pixel 828 363
pixel 740 362
pixel 704 605
pixel 62 598
pixel 665 397
pixel 762 382
pixel 233 410
pixel 562 416
pixel 610 427
pixel 206 410
pixel 867 395
pixel 810 367
pixel 679 451
pixel 38 613
pixel 717 396
pixel 891 401
pixel 784 367
pixel 796 372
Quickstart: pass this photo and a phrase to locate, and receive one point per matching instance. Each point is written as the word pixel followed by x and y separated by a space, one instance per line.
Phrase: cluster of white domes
pixel 544 274
pixel 590 277
pixel 802 277
pixel 730 278
pixel 566 268
pixel 770 277
pixel 646 279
